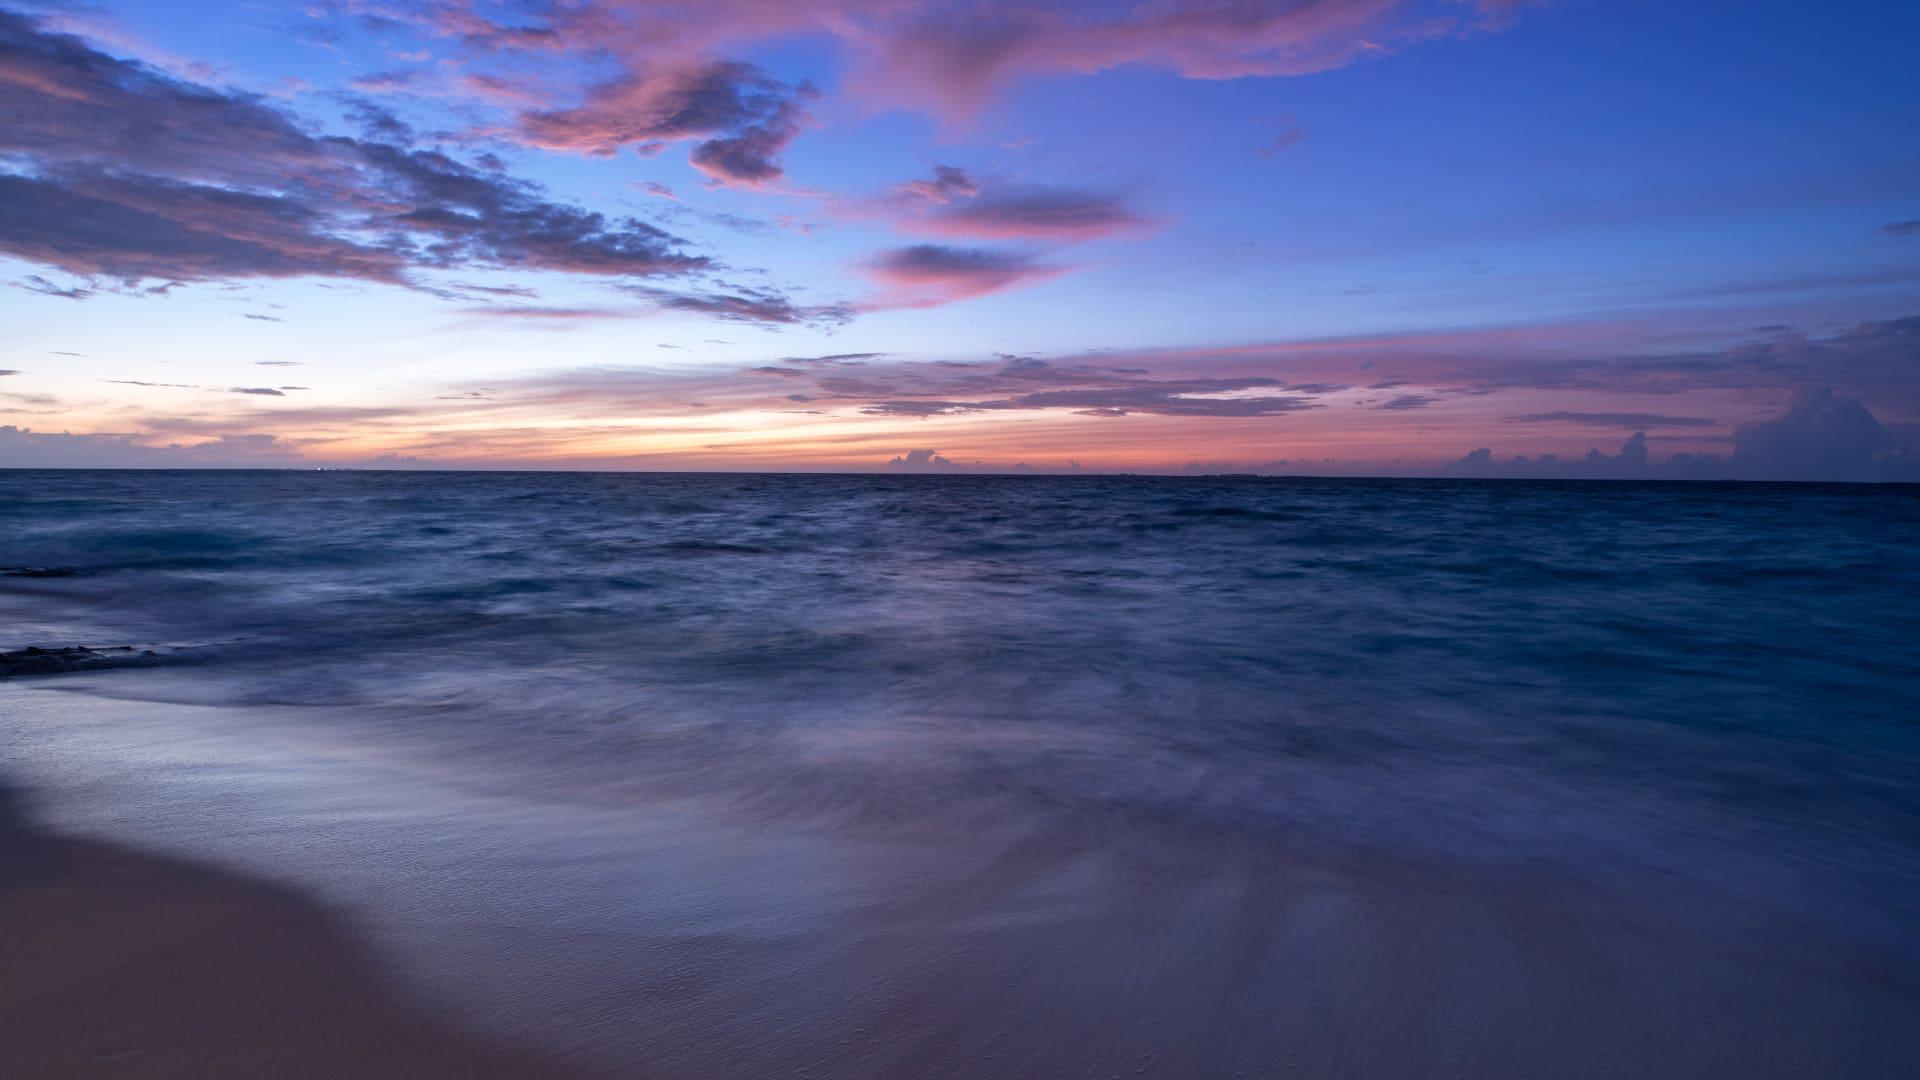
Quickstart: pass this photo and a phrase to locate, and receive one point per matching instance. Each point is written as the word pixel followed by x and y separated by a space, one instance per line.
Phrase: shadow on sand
pixel 115 963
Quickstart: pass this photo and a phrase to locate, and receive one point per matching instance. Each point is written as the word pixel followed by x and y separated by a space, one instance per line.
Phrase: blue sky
pixel 1350 237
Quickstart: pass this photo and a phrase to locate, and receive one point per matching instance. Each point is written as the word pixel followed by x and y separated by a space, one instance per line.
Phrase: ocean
pixel 753 775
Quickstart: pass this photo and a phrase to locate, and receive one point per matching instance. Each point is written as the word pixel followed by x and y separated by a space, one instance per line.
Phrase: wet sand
pixel 119 964
pixel 711 939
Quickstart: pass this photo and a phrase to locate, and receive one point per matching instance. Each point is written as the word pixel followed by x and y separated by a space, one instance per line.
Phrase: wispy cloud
pixel 953 57
pixel 744 304
pixel 1631 421
pixel 38 284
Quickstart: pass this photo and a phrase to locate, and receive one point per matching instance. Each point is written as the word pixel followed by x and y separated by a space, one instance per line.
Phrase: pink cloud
pixel 947 184
pixel 496 90
pixel 952 202
pixel 741 119
pixel 951 56
pixel 1035 213
pixel 953 59
pixel 930 275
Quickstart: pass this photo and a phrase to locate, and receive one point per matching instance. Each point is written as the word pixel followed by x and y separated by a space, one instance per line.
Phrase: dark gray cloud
pixel 1405 402
pixel 1174 398
pixel 1025 383
pixel 23 448
pixel 126 172
pixel 835 358
pixel 744 304
pixel 1876 361
pixel 38 284
pixel 476 216
pixel 67 103
pixel 749 156
pixel 927 275
pixel 1289 136
pixel 932 407
pixel 257 391
pixel 1902 228
pixel 922 461
pixel 853 381
pixel 548 314
pixel 1632 421
pixel 516 291
pixel 948 184
pixel 954 203
pixel 1037 213
pixel 1631 462
pixel 1817 437
pixel 90 222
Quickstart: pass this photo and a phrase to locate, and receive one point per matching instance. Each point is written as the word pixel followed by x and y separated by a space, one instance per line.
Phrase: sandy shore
pixel 115 963
pixel 699 939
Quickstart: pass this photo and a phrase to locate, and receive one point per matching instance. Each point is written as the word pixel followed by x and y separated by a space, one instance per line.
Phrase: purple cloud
pixel 921 461
pixel 1036 213
pixel 1085 390
pixel 764 307
pixel 954 203
pixel 1817 437
pixel 929 275
pixel 127 172
pixel 36 283
pixel 740 118
pixel 949 183
pixel 1629 420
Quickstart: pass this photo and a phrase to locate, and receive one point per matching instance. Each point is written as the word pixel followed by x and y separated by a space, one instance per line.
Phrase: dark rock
pixel 34 660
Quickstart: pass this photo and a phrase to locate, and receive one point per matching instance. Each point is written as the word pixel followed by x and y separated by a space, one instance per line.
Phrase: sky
pixel 1477 237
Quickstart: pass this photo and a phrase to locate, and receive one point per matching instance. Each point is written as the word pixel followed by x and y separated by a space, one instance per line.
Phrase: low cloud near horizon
pixel 1818 438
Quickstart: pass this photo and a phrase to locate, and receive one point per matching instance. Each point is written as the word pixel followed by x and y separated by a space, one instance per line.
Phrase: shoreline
pixel 1269 964
pixel 124 964
pixel 701 946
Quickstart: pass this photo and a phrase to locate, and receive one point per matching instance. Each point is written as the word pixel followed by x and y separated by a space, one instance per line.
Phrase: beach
pixel 118 963
pixel 685 945
pixel 959 540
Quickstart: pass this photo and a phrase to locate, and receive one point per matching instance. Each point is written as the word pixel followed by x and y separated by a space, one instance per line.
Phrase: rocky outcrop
pixel 34 660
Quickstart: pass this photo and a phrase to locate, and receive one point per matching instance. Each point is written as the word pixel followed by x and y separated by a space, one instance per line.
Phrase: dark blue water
pixel 1703 695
